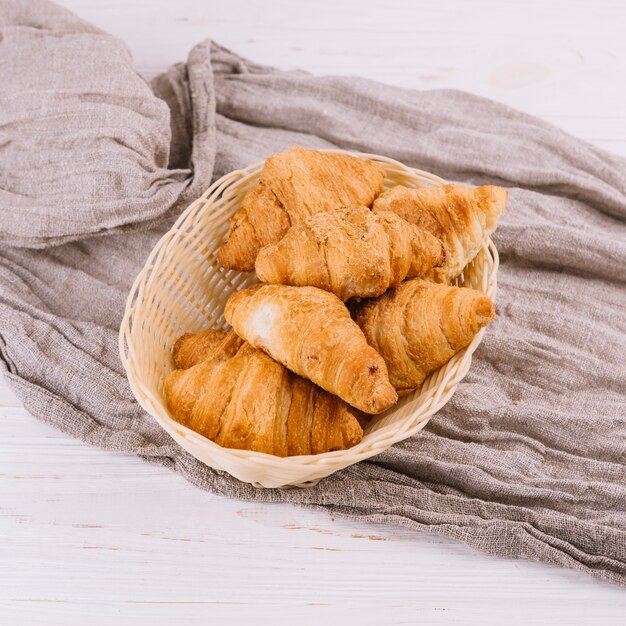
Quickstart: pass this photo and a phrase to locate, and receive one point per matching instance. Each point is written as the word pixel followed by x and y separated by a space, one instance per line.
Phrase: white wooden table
pixel 89 537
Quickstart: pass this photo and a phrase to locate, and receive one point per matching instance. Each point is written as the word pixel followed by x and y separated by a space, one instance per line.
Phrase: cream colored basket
pixel 182 288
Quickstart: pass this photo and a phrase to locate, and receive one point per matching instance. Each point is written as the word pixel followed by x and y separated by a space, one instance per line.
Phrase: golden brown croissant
pixel 190 349
pixel 460 216
pixel 420 325
pixel 245 400
pixel 351 252
pixel 293 185
pixel 310 332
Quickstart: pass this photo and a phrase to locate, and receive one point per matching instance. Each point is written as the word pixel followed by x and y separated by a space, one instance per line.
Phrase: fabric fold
pixel 84 142
pixel 528 459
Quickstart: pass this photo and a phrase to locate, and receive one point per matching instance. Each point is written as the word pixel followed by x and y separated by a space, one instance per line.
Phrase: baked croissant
pixel 293 185
pixel 462 217
pixel 190 349
pixel 420 325
pixel 310 331
pixel 245 400
pixel 351 252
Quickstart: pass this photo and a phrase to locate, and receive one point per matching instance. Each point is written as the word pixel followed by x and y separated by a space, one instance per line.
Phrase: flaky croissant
pixel 293 185
pixel 350 252
pixel 245 400
pixel 462 217
pixel 190 349
pixel 310 332
pixel 419 326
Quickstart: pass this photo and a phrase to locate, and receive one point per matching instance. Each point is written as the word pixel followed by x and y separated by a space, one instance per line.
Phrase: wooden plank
pixel 88 532
pixel 534 56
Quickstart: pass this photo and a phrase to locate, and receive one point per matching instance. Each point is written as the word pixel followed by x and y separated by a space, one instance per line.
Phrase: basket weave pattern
pixel 182 288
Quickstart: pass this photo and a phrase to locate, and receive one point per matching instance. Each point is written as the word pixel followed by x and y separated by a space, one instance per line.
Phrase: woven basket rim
pixel 437 389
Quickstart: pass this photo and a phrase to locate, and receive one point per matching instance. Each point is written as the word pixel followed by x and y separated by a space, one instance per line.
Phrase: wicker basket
pixel 182 288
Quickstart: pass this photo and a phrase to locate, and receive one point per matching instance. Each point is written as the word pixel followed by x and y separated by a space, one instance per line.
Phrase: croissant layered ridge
pixel 350 252
pixel 461 217
pixel 293 185
pixel 420 326
pixel 241 398
pixel 310 331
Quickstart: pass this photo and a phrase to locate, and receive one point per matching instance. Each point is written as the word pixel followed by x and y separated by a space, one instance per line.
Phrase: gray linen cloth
pixel 528 458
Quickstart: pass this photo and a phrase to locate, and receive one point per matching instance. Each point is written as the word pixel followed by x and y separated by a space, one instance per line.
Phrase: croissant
pixel 190 349
pixel 460 216
pixel 310 331
pixel 245 400
pixel 350 252
pixel 420 325
pixel 293 185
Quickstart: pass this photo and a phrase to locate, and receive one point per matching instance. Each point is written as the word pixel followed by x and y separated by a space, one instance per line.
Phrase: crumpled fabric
pixel 527 460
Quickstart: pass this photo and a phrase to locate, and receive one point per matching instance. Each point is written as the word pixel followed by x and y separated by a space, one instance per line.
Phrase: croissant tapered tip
pixel 495 196
pixel 265 265
pixel 351 435
pixel 242 294
pixel 483 311
pixel 180 342
pixel 230 259
pixel 385 398
pixel 241 245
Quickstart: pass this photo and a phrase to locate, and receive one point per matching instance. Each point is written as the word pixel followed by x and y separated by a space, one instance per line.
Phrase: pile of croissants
pixel 355 307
